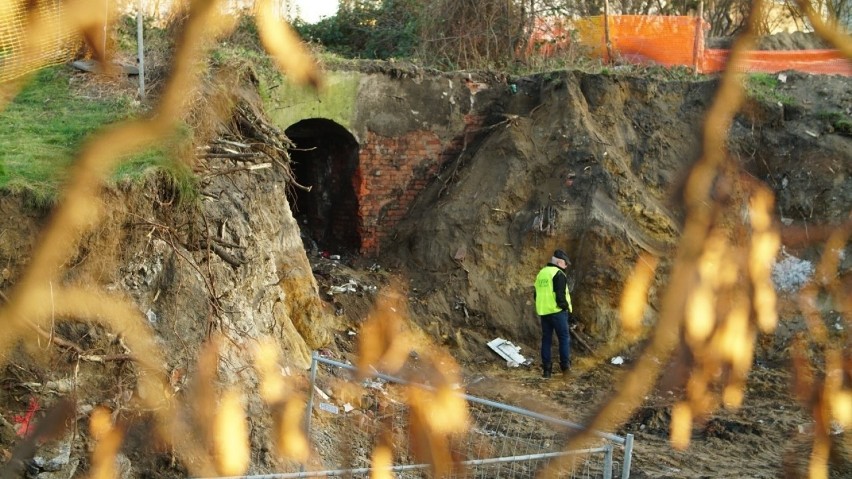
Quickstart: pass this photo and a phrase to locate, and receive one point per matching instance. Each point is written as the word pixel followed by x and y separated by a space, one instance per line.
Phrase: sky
pixel 313 11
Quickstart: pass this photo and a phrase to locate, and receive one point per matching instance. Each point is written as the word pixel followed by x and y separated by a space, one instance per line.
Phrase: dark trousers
pixel 550 323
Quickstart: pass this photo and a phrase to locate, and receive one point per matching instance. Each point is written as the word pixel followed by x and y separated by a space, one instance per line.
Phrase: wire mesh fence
pixel 502 440
pixel 21 53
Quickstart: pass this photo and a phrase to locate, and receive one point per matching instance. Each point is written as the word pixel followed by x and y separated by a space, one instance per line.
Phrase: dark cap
pixel 561 255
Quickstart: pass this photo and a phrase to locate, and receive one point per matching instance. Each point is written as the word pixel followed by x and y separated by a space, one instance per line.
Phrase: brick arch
pixel 325 159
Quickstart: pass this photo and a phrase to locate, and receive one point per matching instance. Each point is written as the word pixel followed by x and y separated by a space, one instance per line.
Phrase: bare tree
pixel 472 33
pixel 837 13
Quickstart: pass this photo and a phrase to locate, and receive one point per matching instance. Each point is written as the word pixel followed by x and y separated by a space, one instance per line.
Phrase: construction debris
pixel 509 352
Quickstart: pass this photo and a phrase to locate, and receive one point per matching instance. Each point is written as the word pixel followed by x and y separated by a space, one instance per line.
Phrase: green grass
pixel 839 121
pixel 843 126
pixel 763 87
pixel 43 128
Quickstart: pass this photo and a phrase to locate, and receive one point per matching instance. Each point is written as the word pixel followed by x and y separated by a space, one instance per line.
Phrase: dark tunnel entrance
pixel 325 159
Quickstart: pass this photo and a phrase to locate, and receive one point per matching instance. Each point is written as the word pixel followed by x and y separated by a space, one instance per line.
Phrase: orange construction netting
pixel 827 62
pixel 667 41
pixel 671 41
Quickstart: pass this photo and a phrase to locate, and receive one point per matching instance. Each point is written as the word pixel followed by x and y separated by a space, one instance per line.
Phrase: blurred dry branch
pixel 832 35
pixel 33 303
pixel 435 415
pixel 720 292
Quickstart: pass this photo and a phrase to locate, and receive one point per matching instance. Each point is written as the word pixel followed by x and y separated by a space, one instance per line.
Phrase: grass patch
pixel 178 176
pixel 43 128
pixel 763 87
pixel 839 121
pixel 843 126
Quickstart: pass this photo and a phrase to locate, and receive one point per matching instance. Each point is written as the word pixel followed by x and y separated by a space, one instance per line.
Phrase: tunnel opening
pixel 325 159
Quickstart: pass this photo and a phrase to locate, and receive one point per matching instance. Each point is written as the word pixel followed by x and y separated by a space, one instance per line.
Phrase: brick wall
pixel 392 171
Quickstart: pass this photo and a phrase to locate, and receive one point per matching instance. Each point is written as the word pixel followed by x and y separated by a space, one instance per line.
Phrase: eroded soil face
pixel 595 165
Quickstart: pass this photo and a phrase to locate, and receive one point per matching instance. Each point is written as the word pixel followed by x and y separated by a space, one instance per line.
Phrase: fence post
pixel 628 456
pixel 607 472
pixel 140 46
pixel 606 32
pixel 699 34
pixel 310 407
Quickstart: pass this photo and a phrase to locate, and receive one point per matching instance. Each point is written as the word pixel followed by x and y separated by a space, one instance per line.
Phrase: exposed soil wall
pixel 594 164
pixel 231 264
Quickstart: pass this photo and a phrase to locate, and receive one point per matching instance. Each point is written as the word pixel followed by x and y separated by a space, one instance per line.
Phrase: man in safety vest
pixel 553 306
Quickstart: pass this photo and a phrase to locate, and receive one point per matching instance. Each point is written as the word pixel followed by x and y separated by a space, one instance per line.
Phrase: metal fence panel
pixel 503 441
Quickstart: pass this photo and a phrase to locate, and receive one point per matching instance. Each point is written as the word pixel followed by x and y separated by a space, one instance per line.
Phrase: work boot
pixel 547 370
pixel 566 368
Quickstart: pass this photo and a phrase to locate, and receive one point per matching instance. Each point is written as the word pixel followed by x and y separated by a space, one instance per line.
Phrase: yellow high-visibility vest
pixel 545 297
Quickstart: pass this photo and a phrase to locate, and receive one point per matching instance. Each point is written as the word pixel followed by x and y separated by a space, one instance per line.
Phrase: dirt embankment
pixel 229 264
pixel 593 164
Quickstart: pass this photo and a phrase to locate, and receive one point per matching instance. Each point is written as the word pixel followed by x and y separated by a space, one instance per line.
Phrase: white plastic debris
pixel 782 77
pixel 349 287
pixel 791 273
pixel 618 360
pixel 327 407
pixel 837 428
pixel 806 428
pixel 377 384
pixel 509 352
pixel 347 407
pixel 351 333
pixel 321 393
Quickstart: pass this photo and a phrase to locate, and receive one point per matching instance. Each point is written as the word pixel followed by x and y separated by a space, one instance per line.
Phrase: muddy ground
pixel 768 437
pixel 591 163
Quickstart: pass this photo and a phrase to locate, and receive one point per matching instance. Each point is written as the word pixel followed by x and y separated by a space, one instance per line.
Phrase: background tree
pixel 466 34
pixel 837 13
pixel 379 29
pixel 472 33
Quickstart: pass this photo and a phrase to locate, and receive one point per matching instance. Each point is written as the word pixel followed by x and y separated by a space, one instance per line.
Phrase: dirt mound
pixel 580 162
pixel 230 265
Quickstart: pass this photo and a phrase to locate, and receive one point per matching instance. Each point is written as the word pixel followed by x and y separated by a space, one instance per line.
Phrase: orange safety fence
pixel 666 41
pixel 827 62
pixel 670 41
